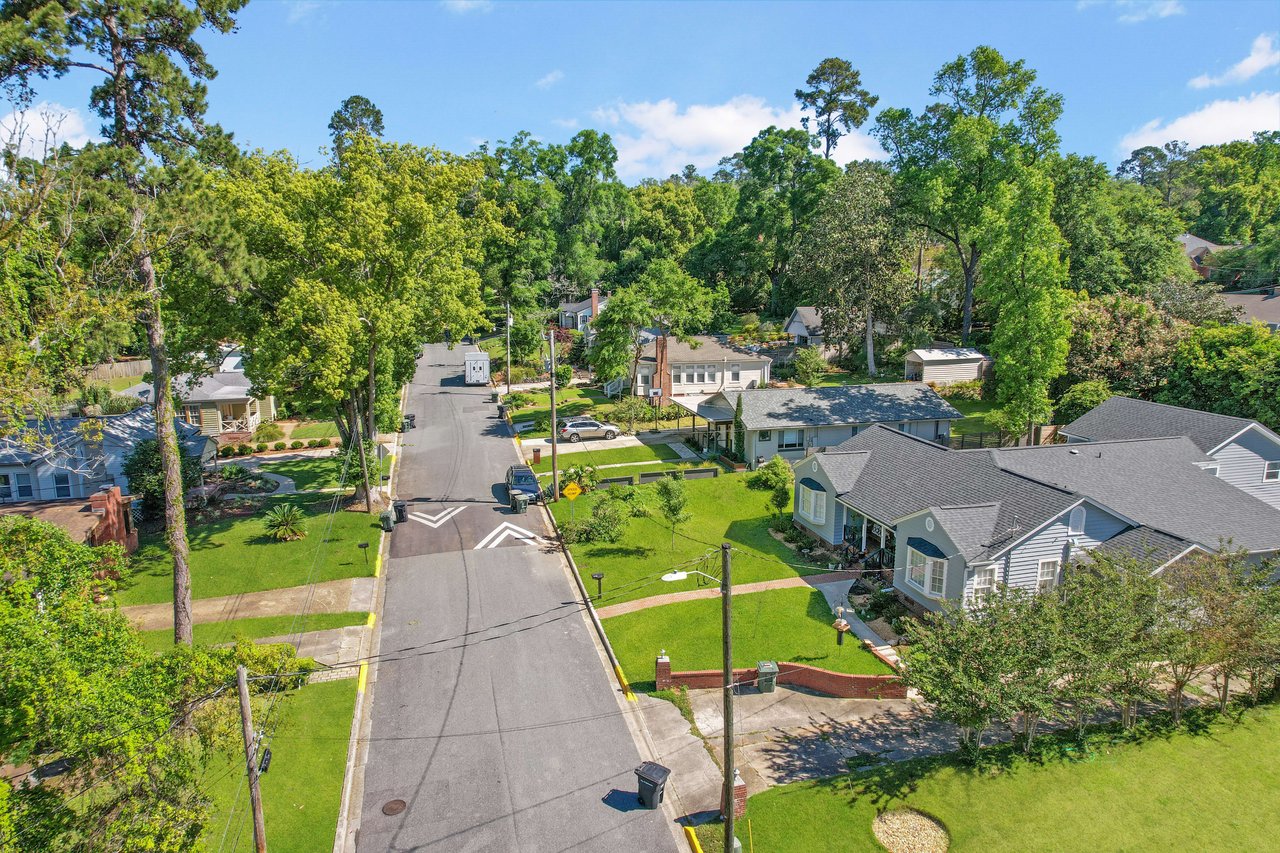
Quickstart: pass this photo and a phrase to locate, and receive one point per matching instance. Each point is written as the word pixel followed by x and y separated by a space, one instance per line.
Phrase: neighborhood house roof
pixel 947 354
pixel 1147 543
pixel 700 350
pixel 808 317
pixel 1125 417
pixel 1196 247
pixel 1263 306
pixel 781 408
pixel 581 305
pixel 222 387
pixel 66 435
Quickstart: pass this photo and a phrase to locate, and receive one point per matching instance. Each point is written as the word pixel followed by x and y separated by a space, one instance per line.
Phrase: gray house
pixel 578 315
pixel 805 327
pixel 72 458
pixel 955 524
pixel 791 422
pixel 1239 451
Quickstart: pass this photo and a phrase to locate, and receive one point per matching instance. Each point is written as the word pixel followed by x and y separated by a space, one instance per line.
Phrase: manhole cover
pixel 393 807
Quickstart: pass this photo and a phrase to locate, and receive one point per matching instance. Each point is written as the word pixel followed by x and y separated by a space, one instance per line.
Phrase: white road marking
pixel 439 518
pixel 505 531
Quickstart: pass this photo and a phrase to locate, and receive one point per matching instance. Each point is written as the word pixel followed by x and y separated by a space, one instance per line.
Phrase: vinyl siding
pixel 816 438
pixel 210 420
pixel 1022 564
pixel 1241 464
pixel 957 575
pixel 750 375
pixel 829 531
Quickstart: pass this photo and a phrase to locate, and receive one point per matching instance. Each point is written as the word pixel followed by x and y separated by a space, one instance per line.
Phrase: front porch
pixel 242 416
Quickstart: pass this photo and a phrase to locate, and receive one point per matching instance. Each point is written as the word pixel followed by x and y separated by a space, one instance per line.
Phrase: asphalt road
pixel 493 717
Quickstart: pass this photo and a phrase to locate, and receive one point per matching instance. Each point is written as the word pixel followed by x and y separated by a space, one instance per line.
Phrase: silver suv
pixel 576 429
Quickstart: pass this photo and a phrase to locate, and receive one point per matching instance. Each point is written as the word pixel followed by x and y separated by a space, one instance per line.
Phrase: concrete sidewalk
pixel 815 580
pixel 340 596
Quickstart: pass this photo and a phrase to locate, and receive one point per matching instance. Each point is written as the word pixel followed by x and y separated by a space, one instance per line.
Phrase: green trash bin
pixel 519 503
pixel 387 519
pixel 767 672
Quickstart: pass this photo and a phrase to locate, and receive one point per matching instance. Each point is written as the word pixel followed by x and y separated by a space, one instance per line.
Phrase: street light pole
pixel 726 597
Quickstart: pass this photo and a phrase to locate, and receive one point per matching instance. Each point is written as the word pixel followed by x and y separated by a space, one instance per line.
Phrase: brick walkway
pixel 714 592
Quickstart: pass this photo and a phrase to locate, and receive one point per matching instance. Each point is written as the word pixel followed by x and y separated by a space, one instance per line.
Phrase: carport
pixel 718 432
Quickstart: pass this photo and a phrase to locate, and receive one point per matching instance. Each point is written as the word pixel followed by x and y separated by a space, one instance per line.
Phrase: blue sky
pixel 690 82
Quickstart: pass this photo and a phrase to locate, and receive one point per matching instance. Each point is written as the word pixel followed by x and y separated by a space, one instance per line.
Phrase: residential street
pixel 493 718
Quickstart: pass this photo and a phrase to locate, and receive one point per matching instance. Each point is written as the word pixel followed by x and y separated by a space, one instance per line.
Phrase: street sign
pixel 571 491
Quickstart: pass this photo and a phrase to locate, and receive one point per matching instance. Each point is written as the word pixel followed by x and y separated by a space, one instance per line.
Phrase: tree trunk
pixel 175 515
pixel 1224 693
pixel 364 463
pixel 871 344
pixel 970 279
pixel 372 428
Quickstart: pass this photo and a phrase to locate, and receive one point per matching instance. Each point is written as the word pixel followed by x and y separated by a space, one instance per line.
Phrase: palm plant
pixel 284 523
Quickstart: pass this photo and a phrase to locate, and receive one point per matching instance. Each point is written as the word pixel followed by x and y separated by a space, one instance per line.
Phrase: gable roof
pixel 780 408
pixel 581 305
pixel 63 436
pixel 1264 306
pixel 1196 247
pixel 1124 418
pixel 809 317
pixel 700 349
pixel 937 354
pixel 1157 483
pixel 1148 543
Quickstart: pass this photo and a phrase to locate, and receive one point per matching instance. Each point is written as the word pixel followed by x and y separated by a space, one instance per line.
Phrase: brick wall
pixel 839 684
pixel 114 522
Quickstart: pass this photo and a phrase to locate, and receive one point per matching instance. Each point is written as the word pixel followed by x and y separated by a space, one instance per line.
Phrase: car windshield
pixel 524 478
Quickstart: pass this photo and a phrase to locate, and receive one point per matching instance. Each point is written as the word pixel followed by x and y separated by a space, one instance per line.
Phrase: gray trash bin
pixel 651 779
pixel 387 519
pixel 767 671
pixel 402 511
pixel 519 503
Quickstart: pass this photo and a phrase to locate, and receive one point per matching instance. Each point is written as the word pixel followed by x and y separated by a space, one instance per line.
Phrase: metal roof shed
pixel 946 365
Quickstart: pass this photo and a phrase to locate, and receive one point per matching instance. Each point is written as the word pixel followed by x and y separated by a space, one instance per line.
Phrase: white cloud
pixel 462 7
pixel 1212 124
pixel 41 128
pixel 1136 11
pixel 656 139
pixel 1262 55
pixel 546 81
pixel 569 123
pixel 301 10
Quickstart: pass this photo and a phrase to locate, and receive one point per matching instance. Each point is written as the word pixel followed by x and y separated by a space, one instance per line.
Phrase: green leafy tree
pixel 1162 169
pixel 631 409
pixel 356 115
pixel 1023 282
pixel 1231 370
pixel 144 469
pixel 837 100
pixel 672 500
pixel 1080 398
pixel 809 366
pixel 739 431
pixel 1123 341
pixel 851 263
pixel 954 158
pixel 774 474
pixel 618 341
pixel 1237 188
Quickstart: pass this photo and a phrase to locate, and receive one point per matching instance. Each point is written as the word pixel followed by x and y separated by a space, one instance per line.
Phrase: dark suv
pixel 522 480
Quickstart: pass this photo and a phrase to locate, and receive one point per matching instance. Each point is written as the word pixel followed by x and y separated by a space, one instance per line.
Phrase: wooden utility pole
pixel 555 433
pixel 250 762
pixel 508 347
pixel 726 626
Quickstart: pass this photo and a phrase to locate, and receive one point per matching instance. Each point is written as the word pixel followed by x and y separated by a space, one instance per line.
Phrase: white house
pixel 699 366
pixel 946 365
pixel 805 327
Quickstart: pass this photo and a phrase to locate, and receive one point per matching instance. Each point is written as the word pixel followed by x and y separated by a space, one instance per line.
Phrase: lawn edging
pixel 839 684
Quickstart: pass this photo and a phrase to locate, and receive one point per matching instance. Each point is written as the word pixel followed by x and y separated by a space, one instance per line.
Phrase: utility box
pixel 651 778
pixel 767 672
pixel 519 503
pixel 401 509
pixel 387 519
pixel 476 368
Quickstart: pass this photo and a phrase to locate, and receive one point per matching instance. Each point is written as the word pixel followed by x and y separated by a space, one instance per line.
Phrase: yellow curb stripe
pixel 692 838
pixel 626 688
pixel 363 679
pixel 373 617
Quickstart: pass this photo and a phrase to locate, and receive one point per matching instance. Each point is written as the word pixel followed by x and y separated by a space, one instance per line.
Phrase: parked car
pixel 576 429
pixel 521 479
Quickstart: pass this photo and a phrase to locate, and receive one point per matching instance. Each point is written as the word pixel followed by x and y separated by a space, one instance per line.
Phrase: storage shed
pixel 946 365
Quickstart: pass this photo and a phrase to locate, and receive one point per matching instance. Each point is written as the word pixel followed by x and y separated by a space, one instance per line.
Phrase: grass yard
pixel 234 555
pixel 1216 790
pixel 780 624
pixel 314 429
pixel 975 416
pixel 580 401
pixel 119 383
pixel 301 792
pixel 214 633
pixel 723 510
pixel 615 456
pixel 323 472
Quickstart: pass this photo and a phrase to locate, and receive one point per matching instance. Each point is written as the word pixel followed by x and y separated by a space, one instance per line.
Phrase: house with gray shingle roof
pixel 791 422
pixel 805 326
pixel 218 403
pixel 953 525
pixel 1240 451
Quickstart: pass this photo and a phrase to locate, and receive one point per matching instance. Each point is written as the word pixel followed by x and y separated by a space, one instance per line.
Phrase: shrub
pixel 226 451
pixel 809 365
pixel 884 604
pixel 780 499
pixel 279 445
pixel 243 450
pixel 284 523
pixel 605 524
pixel 631 499
pixel 564 375
pixel 584 475
pixel 1080 398
pixel 120 404
pixel 772 475
pixel 324 442
pixel 313 442
pixel 517 400
pixel 268 432
pixel 234 472
pixel 971 390
pixel 260 447
pixel 143 470
pixel 296 444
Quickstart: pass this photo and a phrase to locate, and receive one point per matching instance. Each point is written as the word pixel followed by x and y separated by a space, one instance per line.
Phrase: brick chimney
pixel 595 304
pixel 661 367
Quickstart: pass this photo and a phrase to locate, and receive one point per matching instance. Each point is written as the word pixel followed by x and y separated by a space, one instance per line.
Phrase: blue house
pixel 953 525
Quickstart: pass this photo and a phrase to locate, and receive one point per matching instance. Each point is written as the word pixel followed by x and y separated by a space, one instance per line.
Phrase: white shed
pixel 947 365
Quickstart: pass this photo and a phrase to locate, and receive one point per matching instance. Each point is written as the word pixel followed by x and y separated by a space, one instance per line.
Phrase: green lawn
pixel 781 624
pixel 323 472
pixel 213 633
pixel 234 555
pixel 723 509
pixel 584 402
pixel 120 383
pixel 302 791
pixel 1217 790
pixel 314 429
pixel 975 416
pixel 615 456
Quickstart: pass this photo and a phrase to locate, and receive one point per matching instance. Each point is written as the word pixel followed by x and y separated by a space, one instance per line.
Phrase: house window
pixel 22 482
pixel 1075 522
pixel 764 435
pixel 6 487
pixel 791 439
pixel 813 505
pixel 1271 472
pixel 191 414
pixel 855 430
pixel 735 374
pixel 926 574
pixel 984 583
pixel 1212 469
pixel 688 373
pixel 700 372
pixel 1047 576
pixel 675 377
pixel 62 485
pixel 712 373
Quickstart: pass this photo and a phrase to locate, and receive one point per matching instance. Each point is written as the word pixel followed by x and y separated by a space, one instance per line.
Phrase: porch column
pixel 864 533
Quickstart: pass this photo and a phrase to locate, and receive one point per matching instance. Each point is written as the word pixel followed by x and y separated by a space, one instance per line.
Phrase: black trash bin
pixel 413 421
pixel 502 411
pixel 651 779
pixel 402 511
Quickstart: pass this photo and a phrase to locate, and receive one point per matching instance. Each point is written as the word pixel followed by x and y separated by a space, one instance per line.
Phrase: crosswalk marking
pixel 505 531
pixel 434 521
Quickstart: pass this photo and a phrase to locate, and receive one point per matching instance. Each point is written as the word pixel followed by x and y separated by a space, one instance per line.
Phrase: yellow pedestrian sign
pixel 571 491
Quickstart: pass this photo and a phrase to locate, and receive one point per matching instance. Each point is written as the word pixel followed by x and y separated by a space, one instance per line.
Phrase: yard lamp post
pixel 726 640
pixel 598 577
